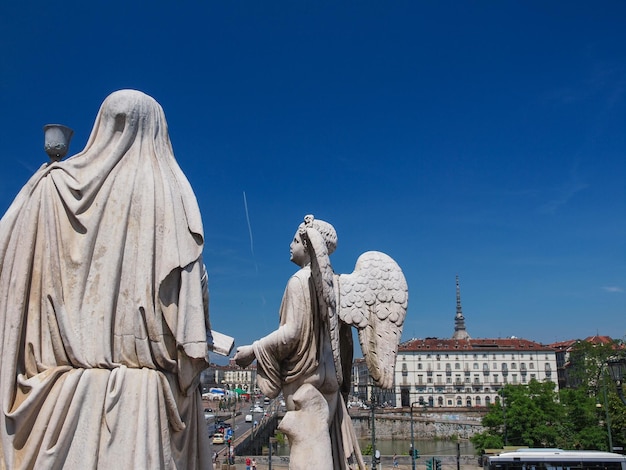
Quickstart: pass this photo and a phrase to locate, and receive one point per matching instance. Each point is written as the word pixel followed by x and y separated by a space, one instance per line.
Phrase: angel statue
pixel 309 356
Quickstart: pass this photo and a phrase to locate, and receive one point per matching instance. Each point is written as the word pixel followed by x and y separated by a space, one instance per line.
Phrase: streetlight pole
pixel 373 430
pixel 504 414
pixel 617 368
pixel 608 416
pixel 412 438
pixel 374 395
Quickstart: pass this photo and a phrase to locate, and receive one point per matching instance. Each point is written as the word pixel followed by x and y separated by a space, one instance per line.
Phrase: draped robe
pixel 103 330
pixel 299 353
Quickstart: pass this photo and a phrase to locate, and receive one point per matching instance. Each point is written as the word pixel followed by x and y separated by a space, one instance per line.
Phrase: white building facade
pixel 467 372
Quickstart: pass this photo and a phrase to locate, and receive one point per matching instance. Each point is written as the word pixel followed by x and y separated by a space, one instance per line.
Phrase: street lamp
pixel 412 438
pixel 617 369
pixel 501 394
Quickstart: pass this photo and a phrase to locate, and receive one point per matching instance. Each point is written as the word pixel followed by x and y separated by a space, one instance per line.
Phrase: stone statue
pixel 309 357
pixel 104 325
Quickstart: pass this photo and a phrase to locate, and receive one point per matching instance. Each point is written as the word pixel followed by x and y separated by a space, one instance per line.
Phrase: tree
pixel 581 428
pixel 588 374
pixel 534 415
pixel 528 415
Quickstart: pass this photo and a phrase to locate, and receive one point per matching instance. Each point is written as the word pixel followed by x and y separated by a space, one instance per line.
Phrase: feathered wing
pixel 374 299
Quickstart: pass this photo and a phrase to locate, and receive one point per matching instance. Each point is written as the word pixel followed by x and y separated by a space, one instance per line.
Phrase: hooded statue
pixel 103 306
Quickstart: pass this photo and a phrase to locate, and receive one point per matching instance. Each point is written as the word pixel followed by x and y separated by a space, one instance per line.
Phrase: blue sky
pixel 484 139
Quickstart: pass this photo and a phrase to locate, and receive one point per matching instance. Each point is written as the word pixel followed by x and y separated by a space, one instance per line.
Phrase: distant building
pixel 466 372
pixel 230 377
pixel 568 360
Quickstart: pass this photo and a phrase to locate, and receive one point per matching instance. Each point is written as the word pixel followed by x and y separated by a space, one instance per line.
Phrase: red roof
pixel 487 344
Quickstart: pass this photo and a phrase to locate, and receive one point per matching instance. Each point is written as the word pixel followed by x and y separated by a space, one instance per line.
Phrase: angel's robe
pixel 299 352
pixel 289 355
pixel 103 330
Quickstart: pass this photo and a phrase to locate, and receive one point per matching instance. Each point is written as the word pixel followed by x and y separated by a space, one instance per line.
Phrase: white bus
pixel 556 459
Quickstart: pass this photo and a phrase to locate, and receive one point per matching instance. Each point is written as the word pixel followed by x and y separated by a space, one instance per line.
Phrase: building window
pixel 419 366
pixel 449 402
pixel 438 357
pixel 514 366
pixel 448 380
pixel 475 365
pixel 457 366
pixel 531 365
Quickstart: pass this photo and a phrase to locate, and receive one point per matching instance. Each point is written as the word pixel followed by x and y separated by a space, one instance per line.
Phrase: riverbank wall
pixel 439 424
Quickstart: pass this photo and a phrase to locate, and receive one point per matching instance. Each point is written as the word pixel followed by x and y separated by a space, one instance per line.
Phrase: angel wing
pixel 374 299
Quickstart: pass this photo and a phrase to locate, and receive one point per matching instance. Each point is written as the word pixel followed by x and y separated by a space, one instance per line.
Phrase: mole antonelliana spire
pixel 459 319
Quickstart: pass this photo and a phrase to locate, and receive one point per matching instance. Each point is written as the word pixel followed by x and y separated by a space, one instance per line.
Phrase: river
pixel 402 446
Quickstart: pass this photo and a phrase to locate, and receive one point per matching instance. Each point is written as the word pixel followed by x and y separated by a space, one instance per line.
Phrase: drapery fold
pixel 102 323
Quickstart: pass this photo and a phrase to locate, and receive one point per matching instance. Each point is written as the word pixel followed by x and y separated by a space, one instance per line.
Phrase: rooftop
pixel 476 344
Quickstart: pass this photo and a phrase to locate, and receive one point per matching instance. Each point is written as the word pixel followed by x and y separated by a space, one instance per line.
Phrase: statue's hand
pixel 244 355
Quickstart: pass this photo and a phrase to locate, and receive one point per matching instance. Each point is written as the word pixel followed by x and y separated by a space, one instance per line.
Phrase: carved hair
pixel 326 230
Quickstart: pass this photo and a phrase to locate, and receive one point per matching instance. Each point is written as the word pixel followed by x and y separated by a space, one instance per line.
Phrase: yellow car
pixel 218 438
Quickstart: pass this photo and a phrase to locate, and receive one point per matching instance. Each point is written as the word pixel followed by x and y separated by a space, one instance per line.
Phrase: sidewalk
pixel 403 464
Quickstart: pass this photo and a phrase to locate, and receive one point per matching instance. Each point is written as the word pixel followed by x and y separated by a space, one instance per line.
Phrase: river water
pixel 402 446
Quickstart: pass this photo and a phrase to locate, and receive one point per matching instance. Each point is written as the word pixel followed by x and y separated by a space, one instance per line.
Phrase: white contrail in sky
pixel 245 204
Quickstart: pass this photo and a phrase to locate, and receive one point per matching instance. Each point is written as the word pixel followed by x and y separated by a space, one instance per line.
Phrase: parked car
pixel 208 413
pixel 248 418
pixel 257 409
pixel 218 438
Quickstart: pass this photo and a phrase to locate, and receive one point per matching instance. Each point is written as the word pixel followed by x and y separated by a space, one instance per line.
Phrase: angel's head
pixel 299 252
